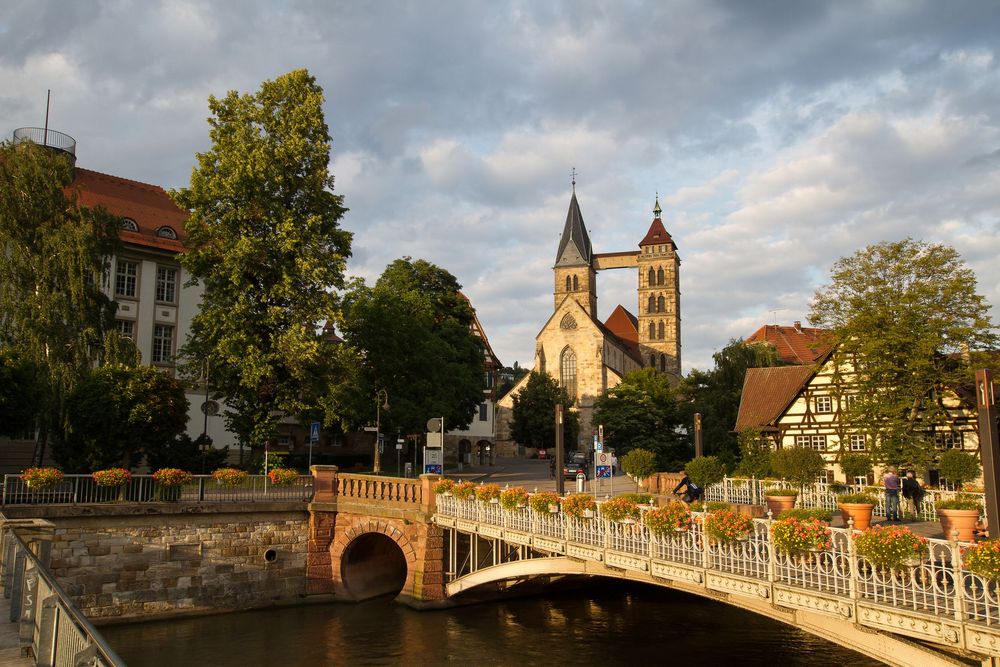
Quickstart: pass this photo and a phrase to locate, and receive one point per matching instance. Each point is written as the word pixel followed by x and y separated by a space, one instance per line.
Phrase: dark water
pixel 609 623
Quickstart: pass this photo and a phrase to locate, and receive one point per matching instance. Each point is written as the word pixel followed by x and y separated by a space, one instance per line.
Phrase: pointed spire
pixel 574 246
pixel 656 209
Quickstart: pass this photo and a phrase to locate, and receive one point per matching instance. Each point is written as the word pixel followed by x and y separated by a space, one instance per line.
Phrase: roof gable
pixel 657 235
pixel 795 344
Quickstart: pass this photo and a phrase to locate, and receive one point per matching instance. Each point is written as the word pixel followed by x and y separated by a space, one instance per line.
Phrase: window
pixel 652 331
pixel 811 441
pixel 652 361
pixel 663 362
pixel 163 343
pixel 660 327
pixel 128 224
pixel 850 401
pixel 824 404
pixel 487 380
pixel 576 285
pixel 568 371
pixel 483 412
pixel 166 284
pixel 659 277
pixel 857 443
pixel 165 232
pixel 661 304
pixel 652 276
pixel 569 285
pixel 126 278
pixel 567 322
pixel 651 308
pixel 861 481
pixel 948 440
pixel 126 328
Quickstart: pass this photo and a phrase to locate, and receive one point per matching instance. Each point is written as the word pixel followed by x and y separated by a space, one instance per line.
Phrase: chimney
pixel 798 326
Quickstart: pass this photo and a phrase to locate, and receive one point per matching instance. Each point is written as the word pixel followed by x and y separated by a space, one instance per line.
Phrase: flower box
pixel 488 493
pixel 543 502
pixel 172 477
pixel 890 547
pixel 671 518
pixel 231 477
pixel 983 559
pixel 727 527
pixel 464 490
pixel 619 509
pixel 283 476
pixel 444 486
pixel 578 504
pixel 41 479
pixel 112 477
pixel 794 536
pixel 514 498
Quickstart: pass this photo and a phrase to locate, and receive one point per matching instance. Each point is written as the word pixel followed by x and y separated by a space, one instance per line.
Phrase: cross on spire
pixel 573 177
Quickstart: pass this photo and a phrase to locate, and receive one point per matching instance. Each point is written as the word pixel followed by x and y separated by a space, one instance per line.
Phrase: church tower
pixel 574 268
pixel 659 299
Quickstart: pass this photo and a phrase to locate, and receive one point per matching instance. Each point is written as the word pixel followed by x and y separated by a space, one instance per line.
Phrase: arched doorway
pixel 464 451
pixel 373 565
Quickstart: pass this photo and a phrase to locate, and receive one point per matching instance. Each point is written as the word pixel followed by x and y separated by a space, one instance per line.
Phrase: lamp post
pixel 380 405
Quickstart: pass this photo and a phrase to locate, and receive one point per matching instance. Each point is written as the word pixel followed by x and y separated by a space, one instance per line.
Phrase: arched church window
pixel 652 305
pixel 660 304
pixel 576 284
pixel 568 371
pixel 652 361
pixel 568 287
pixel 663 362
pixel 652 277
pixel 661 330
pixel 659 277
pixel 652 331
pixel 567 322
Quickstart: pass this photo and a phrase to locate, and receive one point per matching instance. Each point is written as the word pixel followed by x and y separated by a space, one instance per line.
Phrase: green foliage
pixel 410 335
pixel 715 394
pixel 185 453
pixel 807 514
pixel 855 465
pixel 961 502
pixel 792 535
pixel 705 470
pixel 642 412
pixel 856 499
pixel 533 419
pixel 958 467
pixel 897 311
pixel 639 463
pixel 638 498
pixel 798 465
pixel 116 415
pixel 755 454
pixel 266 245
pixel 19 393
pixel 890 547
pixel 983 559
pixel 56 258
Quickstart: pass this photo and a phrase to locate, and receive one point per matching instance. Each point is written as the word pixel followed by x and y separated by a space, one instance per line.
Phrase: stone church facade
pixel 588 356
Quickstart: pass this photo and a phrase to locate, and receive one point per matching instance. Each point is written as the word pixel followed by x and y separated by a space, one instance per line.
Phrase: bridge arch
pixel 371 559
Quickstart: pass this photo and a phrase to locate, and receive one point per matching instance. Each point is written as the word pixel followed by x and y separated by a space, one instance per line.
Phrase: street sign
pixel 602 459
pixel 434 440
pixel 314 432
pixel 604 472
pixel 381 443
pixel 434 424
pixel 399 443
pixel 433 461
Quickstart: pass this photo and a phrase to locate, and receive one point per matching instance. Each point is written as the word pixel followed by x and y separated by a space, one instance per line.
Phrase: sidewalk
pixel 10 651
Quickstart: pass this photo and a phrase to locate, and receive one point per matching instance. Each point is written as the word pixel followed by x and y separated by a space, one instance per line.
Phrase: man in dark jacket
pixel 692 491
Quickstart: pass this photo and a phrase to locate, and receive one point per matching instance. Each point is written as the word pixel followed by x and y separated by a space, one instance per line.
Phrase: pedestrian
pixel 614 464
pixel 891 483
pixel 552 468
pixel 913 494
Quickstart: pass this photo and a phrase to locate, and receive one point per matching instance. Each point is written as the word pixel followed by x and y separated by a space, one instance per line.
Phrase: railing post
pixel 771 576
pixel 324 483
pixel 852 561
pixel 956 567
pixel 706 555
pixel 727 485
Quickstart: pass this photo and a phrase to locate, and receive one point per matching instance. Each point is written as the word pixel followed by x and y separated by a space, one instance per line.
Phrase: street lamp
pixel 380 405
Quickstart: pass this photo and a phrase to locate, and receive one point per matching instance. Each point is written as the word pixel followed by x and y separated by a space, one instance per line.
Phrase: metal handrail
pixel 46 137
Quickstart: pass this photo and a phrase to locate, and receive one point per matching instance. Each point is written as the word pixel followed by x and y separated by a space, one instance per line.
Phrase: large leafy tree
pixel 901 315
pixel 19 394
pixel 533 421
pixel 410 334
pixel 641 412
pixel 265 242
pixel 716 395
pixel 56 255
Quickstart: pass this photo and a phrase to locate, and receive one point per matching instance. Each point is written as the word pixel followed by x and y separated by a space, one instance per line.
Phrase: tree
pixel 855 465
pixel 958 467
pixel 533 421
pixel 642 412
pixel 187 454
pixel 19 394
pixel 266 244
pixel 639 464
pixel 411 335
pixel 510 376
pixel 705 471
pixel 900 315
pixel 56 257
pixel 755 454
pixel 798 464
pixel 116 415
pixel 716 395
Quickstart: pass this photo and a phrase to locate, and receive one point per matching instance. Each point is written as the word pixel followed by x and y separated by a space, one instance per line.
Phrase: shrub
pixel 488 492
pixel 781 492
pixel 42 478
pixel 807 514
pixel 958 467
pixel 718 506
pixel 798 464
pixel 464 490
pixel 229 476
pixel 727 526
pixel 619 509
pixel 172 477
pixel 983 559
pixel 961 502
pixel 283 476
pixel 112 477
pixel 890 547
pixel 541 501
pixel 444 485
pixel 669 519
pixel 639 463
pixel 638 498
pixel 857 499
pixel 705 470
pixel 513 498
pixel 755 454
pixel 576 504
pixel 794 536
pixel 855 465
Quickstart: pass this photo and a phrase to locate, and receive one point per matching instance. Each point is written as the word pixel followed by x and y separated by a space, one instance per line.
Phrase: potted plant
pixel 959 514
pixel 40 479
pixel 672 518
pixel 111 482
pixel 793 536
pixel 705 470
pixel 856 507
pixel 726 526
pixel 464 490
pixel 283 476
pixel 514 498
pixel 488 493
pixel 958 467
pixel 169 482
pixel 798 465
pixel 231 477
pixel 620 510
pixel 443 486
pixel 544 502
pixel 780 500
pixel 580 505
pixel 890 547
pixel 983 559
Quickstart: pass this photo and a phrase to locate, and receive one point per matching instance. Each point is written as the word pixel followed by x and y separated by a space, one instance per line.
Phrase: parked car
pixel 577 463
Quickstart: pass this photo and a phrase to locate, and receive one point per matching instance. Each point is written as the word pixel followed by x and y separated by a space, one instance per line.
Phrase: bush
pixel 541 501
pixel 958 467
pixel 962 502
pixel 983 559
pixel 705 470
pixel 755 454
pixel 781 492
pixel 619 509
pixel 890 547
pixel 576 504
pixel 855 465
pixel 798 464
pixel 511 499
pixel 639 463
pixel 807 514
pixel 791 535
pixel 669 519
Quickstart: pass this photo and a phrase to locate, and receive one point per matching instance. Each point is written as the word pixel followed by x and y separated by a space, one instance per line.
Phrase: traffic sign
pixel 433 461
pixel 399 443
pixel 314 432
pixel 434 424
pixel 381 443
pixel 604 472
pixel 602 458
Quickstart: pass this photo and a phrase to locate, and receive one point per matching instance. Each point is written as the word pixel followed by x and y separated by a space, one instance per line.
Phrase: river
pixel 606 623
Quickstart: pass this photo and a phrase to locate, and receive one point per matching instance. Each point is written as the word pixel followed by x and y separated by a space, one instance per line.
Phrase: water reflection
pixel 605 623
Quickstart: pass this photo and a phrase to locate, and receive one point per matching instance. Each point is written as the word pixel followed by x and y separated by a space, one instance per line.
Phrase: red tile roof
pixel 767 393
pixel 795 344
pixel 148 205
pixel 656 235
pixel 625 326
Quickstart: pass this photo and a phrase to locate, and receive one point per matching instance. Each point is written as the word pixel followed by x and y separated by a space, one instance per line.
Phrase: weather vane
pixel 572 175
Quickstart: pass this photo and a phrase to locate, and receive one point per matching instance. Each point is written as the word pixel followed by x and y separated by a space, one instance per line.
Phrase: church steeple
pixel 656 209
pixel 574 246
pixel 574 271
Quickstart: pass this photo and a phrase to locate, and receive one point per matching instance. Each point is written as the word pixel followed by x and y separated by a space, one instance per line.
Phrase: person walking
pixel 913 494
pixel 891 483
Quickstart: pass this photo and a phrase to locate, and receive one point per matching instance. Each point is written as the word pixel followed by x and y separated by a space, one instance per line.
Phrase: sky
pixel 779 136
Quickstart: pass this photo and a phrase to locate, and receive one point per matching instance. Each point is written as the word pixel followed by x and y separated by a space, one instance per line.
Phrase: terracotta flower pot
pixel 861 513
pixel 964 521
pixel 778 504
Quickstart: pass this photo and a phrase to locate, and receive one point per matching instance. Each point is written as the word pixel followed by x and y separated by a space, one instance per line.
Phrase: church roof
pixel 767 393
pixel 657 235
pixel 625 326
pixel 574 246
pixel 795 344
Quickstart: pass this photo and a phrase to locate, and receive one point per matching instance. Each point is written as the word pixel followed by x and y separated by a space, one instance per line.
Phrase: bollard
pixel 580 479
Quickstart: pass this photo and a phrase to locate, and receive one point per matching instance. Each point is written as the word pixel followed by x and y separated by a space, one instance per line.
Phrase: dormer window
pixel 165 232
pixel 128 224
